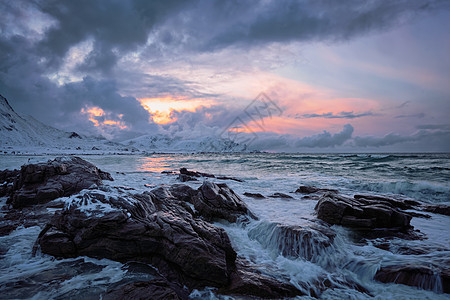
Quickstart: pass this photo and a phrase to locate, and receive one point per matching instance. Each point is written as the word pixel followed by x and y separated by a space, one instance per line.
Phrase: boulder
pixel 363 213
pixel 184 171
pixel 281 195
pixel 437 209
pixel 424 276
pixel 43 182
pixel 153 227
pixel 249 282
pixel 184 178
pixel 254 195
pixel 305 189
pixel 218 201
pixel 307 242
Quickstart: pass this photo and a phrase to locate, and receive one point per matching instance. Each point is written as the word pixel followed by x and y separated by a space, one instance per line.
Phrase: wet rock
pixel 154 289
pixel 153 227
pixel 248 281
pixel 308 242
pixel 281 195
pixel 364 213
pixel 437 209
pixel 398 203
pixel 218 201
pixel 184 178
pixel 254 195
pixel 184 171
pixel 304 189
pixel 43 182
pixel 7 178
pixel 423 276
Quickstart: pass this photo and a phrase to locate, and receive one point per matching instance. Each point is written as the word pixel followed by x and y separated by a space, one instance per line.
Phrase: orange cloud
pixel 162 108
pixel 96 112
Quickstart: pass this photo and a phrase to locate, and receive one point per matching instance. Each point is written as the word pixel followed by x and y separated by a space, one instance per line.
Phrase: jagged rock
pixel 365 213
pixel 195 174
pixel 184 178
pixel 437 209
pixel 281 195
pixel 218 201
pixel 157 289
pixel 153 227
pixel 399 203
pixel 7 178
pixel 254 195
pixel 248 281
pixel 419 275
pixel 74 135
pixel 303 189
pixel 184 171
pixel 43 182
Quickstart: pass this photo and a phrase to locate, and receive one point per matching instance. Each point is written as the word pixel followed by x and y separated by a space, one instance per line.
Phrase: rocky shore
pixel 172 229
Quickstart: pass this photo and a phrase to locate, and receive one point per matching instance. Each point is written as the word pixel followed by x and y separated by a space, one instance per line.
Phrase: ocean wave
pixel 430 192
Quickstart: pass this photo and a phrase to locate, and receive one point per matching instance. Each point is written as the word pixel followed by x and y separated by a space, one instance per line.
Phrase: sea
pixel 423 177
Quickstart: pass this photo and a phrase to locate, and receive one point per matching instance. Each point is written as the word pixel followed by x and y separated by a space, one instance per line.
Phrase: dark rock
pixel 184 171
pixel 419 275
pixel 364 213
pixel 184 178
pixel 218 201
pixel 195 174
pixel 312 189
pixel 95 148
pixel 308 242
pixel 229 178
pixel 154 289
pixel 74 135
pixel 43 182
pixel 398 203
pixel 281 195
pixel 248 281
pixel 437 209
pixel 168 172
pixel 153 227
pixel 254 195
pixel 7 179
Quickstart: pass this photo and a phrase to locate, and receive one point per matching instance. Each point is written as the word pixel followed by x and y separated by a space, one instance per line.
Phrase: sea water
pixel 424 177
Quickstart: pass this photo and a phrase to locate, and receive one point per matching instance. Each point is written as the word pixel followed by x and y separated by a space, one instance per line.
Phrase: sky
pixel 293 76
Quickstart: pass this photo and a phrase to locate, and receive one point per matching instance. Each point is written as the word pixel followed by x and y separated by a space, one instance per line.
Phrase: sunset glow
pixel 97 117
pixel 161 109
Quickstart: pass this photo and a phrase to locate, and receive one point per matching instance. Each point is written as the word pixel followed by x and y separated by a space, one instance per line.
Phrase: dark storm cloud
pixel 326 139
pixel 438 138
pixel 36 37
pixel 113 25
pixel 341 115
pixel 286 142
pixel 287 20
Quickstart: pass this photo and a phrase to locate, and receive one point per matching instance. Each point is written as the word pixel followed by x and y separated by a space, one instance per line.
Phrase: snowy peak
pixel 25 134
pixel 164 143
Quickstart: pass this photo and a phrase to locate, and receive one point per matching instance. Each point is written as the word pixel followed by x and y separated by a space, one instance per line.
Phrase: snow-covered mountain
pixel 166 144
pixel 24 134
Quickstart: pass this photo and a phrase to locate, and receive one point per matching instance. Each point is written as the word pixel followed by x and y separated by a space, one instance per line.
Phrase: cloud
pixel 286 142
pixel 326 139
pixel 419 115
pixel 439 139
pixel 434 126
pixel 341 115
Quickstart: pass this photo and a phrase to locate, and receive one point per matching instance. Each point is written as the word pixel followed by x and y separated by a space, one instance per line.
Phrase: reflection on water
pixel 155 164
